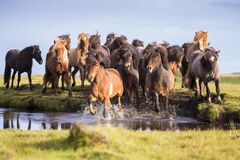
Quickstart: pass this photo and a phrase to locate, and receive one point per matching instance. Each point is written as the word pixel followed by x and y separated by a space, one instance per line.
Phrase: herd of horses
pixel 119 68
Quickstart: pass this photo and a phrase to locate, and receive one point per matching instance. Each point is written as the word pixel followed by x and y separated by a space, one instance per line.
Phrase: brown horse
pixel 109 39
pixel 159 80
pixel 78 56
pixel 105 84
pixel 21 61
pixel 204 66
pixel 57 63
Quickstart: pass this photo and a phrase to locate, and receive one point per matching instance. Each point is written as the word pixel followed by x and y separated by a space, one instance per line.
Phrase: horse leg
pixel 56 78
pixel 106 107
pixel 19 79
pixel 208 92
pixel 45 81
pixel 119 103
pixel 138 98
pixel 30 79
pixel 13 76
pixel 157 108
pixel 217 90
pixel 200 88
pixel 62 82
pixel 73 76
pixel 67 76
pixel 195 88
pixel 82 74
pixel 91 99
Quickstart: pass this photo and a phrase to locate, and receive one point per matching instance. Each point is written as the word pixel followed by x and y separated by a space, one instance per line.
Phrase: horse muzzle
pixel 91 79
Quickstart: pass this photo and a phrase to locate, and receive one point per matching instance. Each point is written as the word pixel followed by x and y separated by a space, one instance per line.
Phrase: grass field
pixel 102 142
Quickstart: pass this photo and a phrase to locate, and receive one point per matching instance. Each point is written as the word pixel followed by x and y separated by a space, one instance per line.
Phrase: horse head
pixel 83 41
pixel 37 54
pixel 93 70
pixel 110 38
pixel 154 60
pixel 210 59
pixel 66 37
pixel 202 38
pixel 59 49
pixel 95 41
pixel 137 43
pixel 126 56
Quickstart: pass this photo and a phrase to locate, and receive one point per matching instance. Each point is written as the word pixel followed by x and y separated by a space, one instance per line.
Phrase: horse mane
pixel 28 50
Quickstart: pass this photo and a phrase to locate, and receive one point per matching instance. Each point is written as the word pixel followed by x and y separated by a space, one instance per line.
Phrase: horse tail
pixel 7 73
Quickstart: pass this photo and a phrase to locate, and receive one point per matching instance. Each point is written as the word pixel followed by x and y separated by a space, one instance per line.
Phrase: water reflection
pixel 59 121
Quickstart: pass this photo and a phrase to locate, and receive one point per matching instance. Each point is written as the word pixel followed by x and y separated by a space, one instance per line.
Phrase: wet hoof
pixel 73 84
pixel 106 113
pixel 93 112
pixel 44 90
pixel 157 109
pixel 70 94
pixel 209 100
pixel 219 99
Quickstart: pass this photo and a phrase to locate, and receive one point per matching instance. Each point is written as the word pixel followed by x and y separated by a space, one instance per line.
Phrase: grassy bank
pixel 106 143
pixel 227 111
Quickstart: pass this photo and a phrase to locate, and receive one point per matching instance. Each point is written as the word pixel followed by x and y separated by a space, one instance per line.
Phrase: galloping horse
pixel 105 84
pixel 57 63
pixel 159 80
pixel 204 66
pixel 78 56
pixel 21 61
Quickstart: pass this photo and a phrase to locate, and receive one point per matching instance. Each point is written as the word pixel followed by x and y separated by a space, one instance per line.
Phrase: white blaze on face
pixel 111 89
pixel 212 59
pixel 201 44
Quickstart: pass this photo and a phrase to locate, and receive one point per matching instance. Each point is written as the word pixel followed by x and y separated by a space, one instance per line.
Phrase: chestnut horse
pixel 21 61
pixel 159 80
pixel 105 84
pixel 77 57
pixel 57 63
pixel 202 38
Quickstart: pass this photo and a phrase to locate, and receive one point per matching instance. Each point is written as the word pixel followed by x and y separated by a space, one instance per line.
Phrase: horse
pixel 129 72
pixel 110 38
pixel 21 61
pixel 204 66
pixel 159 80
pixel 95 44
pixel 57 63
pixel 117 43
pixel 184 62
pixel 105 84
pixel 202 38
pixel 78 56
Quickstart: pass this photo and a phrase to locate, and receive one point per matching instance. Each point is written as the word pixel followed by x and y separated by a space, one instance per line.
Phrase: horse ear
pixel 206 32
pixel 196 32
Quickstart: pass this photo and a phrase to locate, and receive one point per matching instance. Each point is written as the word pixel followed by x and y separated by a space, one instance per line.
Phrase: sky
pixel 28 22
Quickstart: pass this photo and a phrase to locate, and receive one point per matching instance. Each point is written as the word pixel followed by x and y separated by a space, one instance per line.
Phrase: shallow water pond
pixel 11 118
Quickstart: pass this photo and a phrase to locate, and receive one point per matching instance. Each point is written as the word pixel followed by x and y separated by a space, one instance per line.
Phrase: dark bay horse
pixel 159 80
pixel 95 44
pixel 105 84
pixel 57 63
pixel 204 66
pixel 21 61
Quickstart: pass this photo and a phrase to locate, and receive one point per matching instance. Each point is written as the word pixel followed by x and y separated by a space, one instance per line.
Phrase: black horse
pixel 21 61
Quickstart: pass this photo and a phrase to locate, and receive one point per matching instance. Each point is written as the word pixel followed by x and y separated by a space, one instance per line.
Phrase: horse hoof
pixel 106 113
pixel 209 100
pixel 219 99
pixel 157 109
pixel 73 85
pixel 93 112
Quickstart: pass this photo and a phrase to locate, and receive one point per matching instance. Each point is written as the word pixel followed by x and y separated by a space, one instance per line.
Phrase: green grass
pixel 119 144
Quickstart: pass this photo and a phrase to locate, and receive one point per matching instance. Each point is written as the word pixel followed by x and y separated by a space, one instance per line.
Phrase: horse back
pixel 11 57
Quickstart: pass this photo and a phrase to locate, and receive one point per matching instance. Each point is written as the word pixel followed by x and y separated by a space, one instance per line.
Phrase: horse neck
pixel 26 55
pixel 100 75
